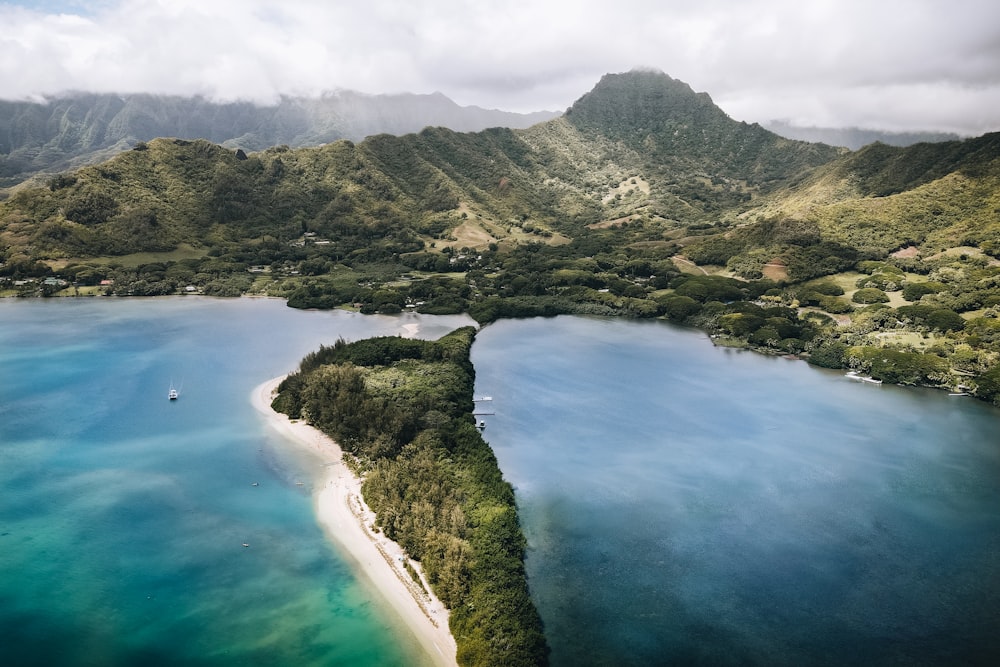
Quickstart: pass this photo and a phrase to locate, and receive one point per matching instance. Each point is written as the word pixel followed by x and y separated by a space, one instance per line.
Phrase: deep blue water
pixel 686 504
pixel 123 514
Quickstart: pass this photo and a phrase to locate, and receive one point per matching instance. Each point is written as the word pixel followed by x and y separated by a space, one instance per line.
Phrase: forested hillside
pixel 643 200
pixel 77 129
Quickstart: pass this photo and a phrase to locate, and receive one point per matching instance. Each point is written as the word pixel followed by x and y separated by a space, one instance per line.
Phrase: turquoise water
pixel 123 514
pixel 686 504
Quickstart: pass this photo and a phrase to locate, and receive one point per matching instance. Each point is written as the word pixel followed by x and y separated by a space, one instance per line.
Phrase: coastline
pixel 347 521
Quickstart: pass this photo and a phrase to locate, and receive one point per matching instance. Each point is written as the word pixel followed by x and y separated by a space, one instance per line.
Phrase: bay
pixel 686 504
pixel 123 515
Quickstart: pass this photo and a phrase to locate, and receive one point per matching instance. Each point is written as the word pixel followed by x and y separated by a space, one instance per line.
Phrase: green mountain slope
pixel 882 199
pixel 643 200
pixel 167 192
pixel 73 130
pixel 676 130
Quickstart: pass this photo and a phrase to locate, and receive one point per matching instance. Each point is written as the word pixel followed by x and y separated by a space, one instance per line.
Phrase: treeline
pixel 402 408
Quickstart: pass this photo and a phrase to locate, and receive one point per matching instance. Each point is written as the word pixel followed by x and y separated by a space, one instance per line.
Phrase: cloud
pixel 895 64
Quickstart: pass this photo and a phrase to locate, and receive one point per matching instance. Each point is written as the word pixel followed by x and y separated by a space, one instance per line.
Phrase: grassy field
pixel 902 339
pixel 848 281
pixel 184 251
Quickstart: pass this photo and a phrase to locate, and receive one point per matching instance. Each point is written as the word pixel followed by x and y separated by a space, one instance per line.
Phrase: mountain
pixel 929 196
pixel 79 129
pixel 639 145
pixel 674 131
pixel 855 137
pixel 644 199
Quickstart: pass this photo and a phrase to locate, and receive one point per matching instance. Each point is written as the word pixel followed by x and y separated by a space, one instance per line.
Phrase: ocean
pixel 683 503
pixel 123 515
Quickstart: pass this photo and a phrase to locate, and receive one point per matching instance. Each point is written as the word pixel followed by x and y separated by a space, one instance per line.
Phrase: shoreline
pixel 347 521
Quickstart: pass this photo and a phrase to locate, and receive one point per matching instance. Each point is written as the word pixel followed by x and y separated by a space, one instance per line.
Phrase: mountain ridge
pixel 71 130
pixel 855 138
pixel 645 200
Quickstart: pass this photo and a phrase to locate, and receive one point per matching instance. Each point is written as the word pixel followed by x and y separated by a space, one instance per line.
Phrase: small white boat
pixel 855 375
pixel 172 394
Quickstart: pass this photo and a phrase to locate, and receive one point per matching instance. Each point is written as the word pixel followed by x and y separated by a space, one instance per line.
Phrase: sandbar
pixel 348 522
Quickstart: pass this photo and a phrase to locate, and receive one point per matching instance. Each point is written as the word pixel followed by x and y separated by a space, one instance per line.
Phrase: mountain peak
pixel 642 99
pixel 677 130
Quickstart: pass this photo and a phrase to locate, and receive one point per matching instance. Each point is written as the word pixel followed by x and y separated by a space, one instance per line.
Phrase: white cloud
pixel 913 64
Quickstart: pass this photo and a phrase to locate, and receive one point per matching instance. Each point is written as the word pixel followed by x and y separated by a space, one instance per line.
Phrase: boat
pixel 172 394
pixel 855 375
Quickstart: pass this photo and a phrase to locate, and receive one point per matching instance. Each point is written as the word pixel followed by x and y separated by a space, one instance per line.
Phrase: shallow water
pixel 686 504
pixel 123 514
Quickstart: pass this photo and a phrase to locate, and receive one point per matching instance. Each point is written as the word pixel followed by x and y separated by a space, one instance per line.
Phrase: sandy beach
pixel 348 522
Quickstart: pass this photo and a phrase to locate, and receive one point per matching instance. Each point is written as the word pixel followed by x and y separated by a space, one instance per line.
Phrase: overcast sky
pixel 886 64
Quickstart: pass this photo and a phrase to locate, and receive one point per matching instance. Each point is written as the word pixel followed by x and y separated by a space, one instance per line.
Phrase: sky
pixel 898 65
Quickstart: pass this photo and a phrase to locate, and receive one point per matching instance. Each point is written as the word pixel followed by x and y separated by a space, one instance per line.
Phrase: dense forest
pixel 643 200
pixel 402 411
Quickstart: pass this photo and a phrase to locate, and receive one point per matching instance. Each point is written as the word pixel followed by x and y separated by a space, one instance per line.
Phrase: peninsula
pixel 347 520
pixel 412 491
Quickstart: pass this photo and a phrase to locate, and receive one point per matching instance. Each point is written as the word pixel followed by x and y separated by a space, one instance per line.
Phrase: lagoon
pixel 686 504
pixel 123 514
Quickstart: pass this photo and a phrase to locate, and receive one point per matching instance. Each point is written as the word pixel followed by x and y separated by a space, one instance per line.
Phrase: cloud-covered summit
pixel 894 65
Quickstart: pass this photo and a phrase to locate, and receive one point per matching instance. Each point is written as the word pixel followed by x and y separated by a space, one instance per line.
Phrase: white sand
pixel 348 522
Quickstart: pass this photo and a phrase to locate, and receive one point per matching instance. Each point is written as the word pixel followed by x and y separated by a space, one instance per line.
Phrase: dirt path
pixel 684 260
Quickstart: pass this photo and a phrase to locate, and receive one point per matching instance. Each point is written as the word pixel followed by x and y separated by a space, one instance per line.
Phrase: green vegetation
pixel 84 128
pixel 402 410
pixel 645 200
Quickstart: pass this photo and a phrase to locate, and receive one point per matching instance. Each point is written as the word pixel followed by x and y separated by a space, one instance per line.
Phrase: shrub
pixel 914 291
pixel 678 308
pixel 832 304
pixel 945 320
pixel 870 295
pixel 829 354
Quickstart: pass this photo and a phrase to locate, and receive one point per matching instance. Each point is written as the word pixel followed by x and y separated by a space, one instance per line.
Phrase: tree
pixel 945 320
pixel 867 295
pixel 988 385
pixel 678 308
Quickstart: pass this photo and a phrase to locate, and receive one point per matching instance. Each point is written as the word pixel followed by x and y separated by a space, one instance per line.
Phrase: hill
pixel 73 130
pixel 643 200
